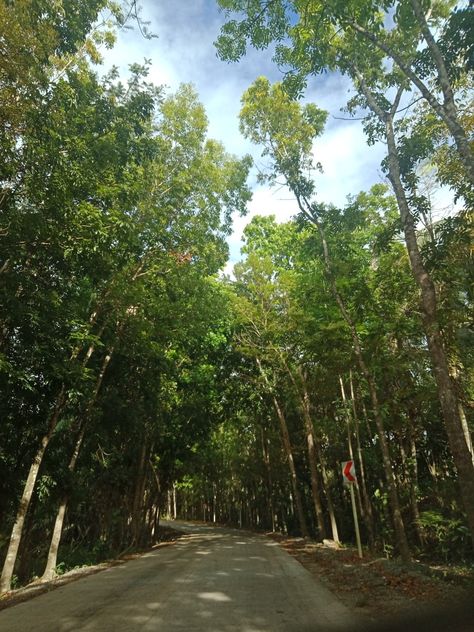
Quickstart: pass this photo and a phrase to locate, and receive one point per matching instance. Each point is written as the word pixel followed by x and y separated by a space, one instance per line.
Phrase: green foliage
pixel 115 211
pixel 286 131
pixel 448 537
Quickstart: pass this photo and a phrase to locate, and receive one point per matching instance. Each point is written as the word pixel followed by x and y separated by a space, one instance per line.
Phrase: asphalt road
pixel 212 579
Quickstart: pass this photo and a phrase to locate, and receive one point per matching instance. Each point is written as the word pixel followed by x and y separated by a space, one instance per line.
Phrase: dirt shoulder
pixel 376 589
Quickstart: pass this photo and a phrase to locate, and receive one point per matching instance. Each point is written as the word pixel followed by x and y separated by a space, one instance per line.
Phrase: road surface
pixel 212 579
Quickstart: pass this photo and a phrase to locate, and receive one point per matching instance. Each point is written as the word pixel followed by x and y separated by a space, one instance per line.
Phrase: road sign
pixel 348 472
pixel 349 478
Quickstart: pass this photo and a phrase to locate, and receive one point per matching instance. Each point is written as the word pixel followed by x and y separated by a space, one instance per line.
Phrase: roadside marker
pixel 349 478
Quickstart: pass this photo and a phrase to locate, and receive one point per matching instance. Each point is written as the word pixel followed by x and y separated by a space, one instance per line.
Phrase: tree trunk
pixel 291 463
pixel 51 561
pixel 327 491
pixel 414 484
pixel 368 513
pixel 449 105
pixel 16 534
pixel 302 393
pixel 400 533
pixel 446 391
pixel 466 431
pixel 347 415
pixel 315 492
pixel 454 373
pixel 446 111
pixel 313 459
pixel 268 479
pixel 138 495
pixel 17 531
pixel 289 455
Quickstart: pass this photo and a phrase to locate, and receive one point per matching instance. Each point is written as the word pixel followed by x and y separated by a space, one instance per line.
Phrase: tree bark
pixel 368 513
pixel 315 491
pixel 285 435
pixel 291 464
pixel 449 105
pixel 312 454
pixel 361 501
pixel 17 531
pixel 268 479
pixel 138 494
pixel 327 492
pixel 447 110
pixel 454 373
pixel 446 391
pixel 25 500
pixel 414 483
pixel 51 561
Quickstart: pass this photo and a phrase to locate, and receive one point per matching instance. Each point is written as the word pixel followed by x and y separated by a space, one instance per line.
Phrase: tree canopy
pixel 137 380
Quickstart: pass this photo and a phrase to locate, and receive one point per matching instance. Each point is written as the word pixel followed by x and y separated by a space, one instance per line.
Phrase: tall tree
pixel 286 132
pixel 377 46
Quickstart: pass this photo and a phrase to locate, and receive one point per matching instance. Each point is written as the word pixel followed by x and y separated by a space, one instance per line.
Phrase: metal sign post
pixel 349 478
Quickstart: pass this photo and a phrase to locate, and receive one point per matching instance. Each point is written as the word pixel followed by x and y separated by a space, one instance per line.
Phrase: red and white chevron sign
pixel 348 472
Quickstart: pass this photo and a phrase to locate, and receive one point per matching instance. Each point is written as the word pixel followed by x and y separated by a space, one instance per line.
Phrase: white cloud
pixel 277 201
pixel 349 166
pixel 184 52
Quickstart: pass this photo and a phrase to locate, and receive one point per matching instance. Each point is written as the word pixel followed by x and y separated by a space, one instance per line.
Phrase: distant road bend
pixel 213 579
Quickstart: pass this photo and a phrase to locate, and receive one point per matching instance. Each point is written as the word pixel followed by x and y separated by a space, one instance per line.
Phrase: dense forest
pixel 137 381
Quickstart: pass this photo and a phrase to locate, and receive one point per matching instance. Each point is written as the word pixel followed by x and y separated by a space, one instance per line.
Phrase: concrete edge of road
pixel 38 587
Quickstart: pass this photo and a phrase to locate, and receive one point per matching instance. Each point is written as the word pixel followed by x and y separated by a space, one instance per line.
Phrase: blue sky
pixel 183 52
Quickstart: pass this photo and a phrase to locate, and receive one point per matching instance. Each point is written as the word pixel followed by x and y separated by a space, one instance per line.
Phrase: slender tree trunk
pixel 169 504
pixel 289 455
pixel 466 431
pixel 401 538
pixel 156 521
pixel 291 463
pixel 449 105
pixel 446 111
pixel 214 503
pixel 360 504
pixel 400 534
pixel 327 492
pixel 454 373
pixel 313 459
pixel 268 479
pixel 368 513
pixel 414 484
pixel 51 561
pixel 446 391
pixel 315 492
pixel 156 500
pixel 138 494
pixel 17 531
pixel 302 393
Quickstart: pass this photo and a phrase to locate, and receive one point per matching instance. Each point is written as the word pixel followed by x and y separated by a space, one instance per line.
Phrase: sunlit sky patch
pixel 184 52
